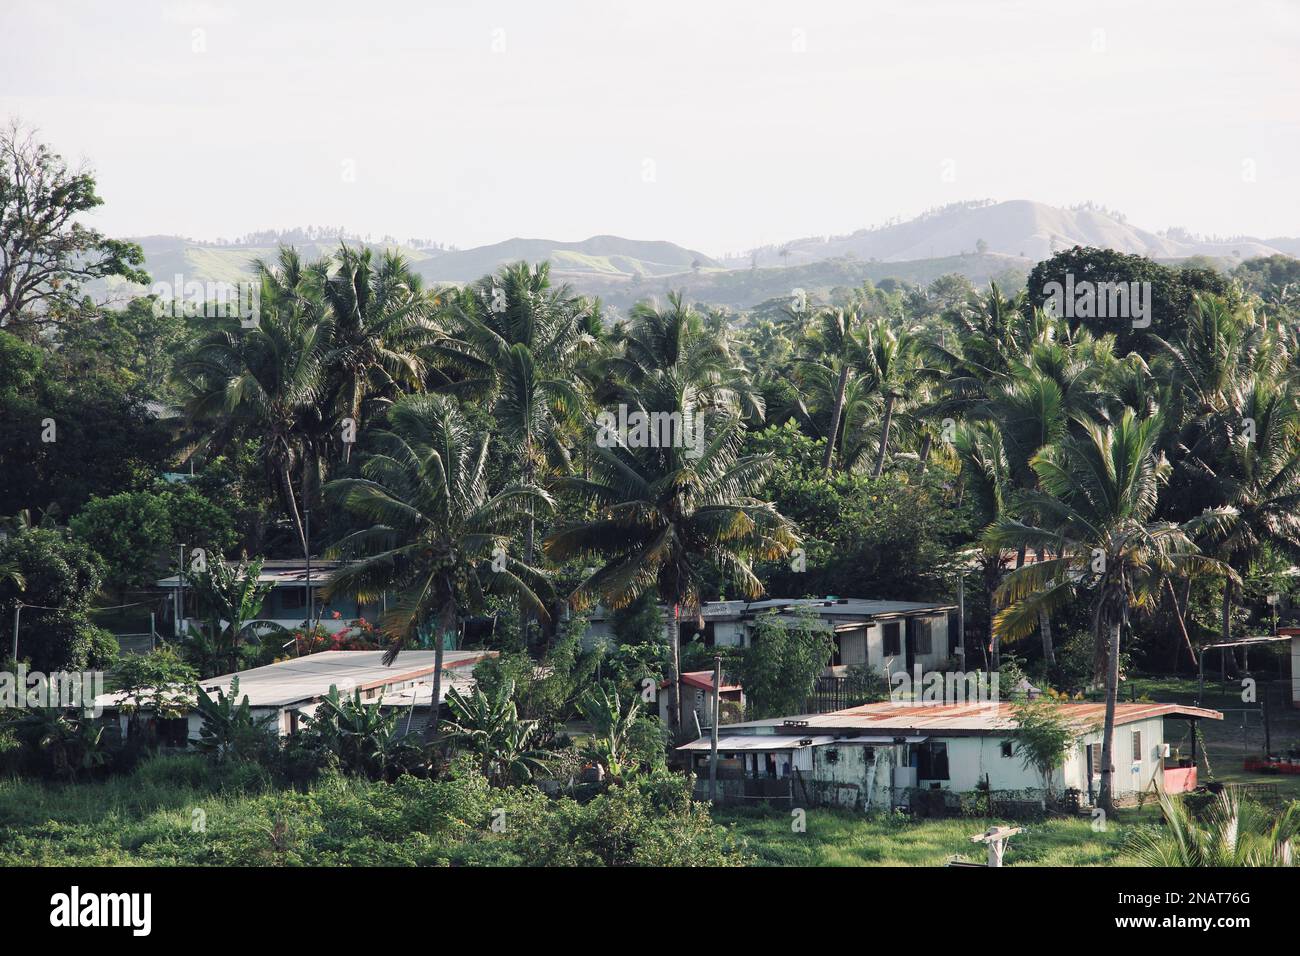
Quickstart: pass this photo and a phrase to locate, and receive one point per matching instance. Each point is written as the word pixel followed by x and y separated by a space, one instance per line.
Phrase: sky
pixel 718 125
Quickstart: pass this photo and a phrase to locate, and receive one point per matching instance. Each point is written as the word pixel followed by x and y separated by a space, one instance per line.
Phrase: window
pixel 923 643
pixel 1137 746
pixel 890 638
pixel 1008 748
pixel 293 598
pixel 932 761
pixel 1094 759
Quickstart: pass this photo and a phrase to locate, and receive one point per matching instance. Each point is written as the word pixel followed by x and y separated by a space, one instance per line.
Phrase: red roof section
pixel 703 680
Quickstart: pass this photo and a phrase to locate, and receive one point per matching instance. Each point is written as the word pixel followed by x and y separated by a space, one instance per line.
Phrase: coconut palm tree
pixel 440 537
pixel 1094 504
pixel 680 344
pixel 378 324
pixel 986 487
pixel 1235 441
pixel 519 344
pixel 890 366
pixel 662 519
pixel 267 383
pixel 832 358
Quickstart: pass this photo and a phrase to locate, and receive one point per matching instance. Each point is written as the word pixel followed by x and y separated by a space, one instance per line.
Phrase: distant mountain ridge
pixel 977 239
pixel 1020 228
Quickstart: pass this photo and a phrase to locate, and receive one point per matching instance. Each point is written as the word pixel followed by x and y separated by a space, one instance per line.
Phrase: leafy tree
pixel 59 579
pixel 47 251
pixel 1045 734
pixel 784 659
pixel 1172 290
pixel 63 440
pixel 136 531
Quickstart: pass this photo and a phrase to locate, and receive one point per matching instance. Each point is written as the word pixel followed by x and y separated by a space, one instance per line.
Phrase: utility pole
pixel 18 610
pixel 961 616
pixel 713 732
pixel 180 587
pixel 306 533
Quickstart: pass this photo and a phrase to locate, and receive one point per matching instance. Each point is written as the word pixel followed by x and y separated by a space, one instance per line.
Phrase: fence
pixel 837 693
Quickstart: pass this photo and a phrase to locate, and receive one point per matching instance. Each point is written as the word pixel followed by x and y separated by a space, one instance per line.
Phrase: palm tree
pixel 890 365
pixel 1235 832
pixel 834 355
pixel 679 344
pixel 1235 447
pixel 490 728
pixel 436 524
pixel 267 383
pixel 378 325
pixel 662 519
pixel 519 343
pixel 1094 503
pixel 986 487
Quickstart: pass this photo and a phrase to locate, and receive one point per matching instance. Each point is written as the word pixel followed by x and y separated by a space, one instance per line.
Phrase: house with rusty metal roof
pixel 901 752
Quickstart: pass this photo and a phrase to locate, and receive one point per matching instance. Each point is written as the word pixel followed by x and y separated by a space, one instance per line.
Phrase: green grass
pixel 843 838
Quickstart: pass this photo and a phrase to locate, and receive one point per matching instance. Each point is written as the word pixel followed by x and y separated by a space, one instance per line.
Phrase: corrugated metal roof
pixel 309 677
pixel 737 742
pixel 837 607
pixel 756 742
pixel 971 718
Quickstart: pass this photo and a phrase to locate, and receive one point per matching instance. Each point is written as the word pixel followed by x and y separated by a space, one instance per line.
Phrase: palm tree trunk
pixel 1045 629
pixel 884 437
pixel 286 486
pixel 836 413
pixel 1182 624
pixel 446 622
pixel 1106 799
pixel 1225 626
pixel 924 454
pixel 675 642
pixel 525 612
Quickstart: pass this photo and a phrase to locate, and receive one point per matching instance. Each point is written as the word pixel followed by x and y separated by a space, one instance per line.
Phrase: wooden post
pixel 1268 744
pixel 713 731
pixel 995 838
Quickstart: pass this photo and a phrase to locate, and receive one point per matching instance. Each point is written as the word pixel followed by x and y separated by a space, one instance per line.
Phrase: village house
pixel 886 636
pixel 288 690
pixel 879 756
pixel 697 698
pixel 286 603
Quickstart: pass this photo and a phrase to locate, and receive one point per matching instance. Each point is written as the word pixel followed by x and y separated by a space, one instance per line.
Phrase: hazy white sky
pixel 718 125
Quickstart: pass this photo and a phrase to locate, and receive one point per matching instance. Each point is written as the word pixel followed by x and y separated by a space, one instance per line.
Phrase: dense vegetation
pixel 1106 491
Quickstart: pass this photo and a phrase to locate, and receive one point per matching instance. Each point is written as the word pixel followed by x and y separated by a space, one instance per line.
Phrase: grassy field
pixel 842 838
pixel 151 819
